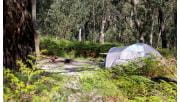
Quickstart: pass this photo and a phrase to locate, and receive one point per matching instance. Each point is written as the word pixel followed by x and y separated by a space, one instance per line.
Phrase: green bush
pixel 169 90
pixel 29 84
pixel 99 81
pixel 134 85
pixel 167 52
pixel 134 80
pixel 128 69
pixel 140 89
pixel 148 67
pixel 152 68
pixel 101 84
pixel 129 87
pixel 63 47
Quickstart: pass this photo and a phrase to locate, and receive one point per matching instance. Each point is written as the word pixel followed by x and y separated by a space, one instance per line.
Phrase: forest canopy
pixel 124 21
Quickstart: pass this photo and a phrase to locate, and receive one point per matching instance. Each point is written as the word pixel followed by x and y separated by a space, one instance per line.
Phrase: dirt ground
pixel 75 67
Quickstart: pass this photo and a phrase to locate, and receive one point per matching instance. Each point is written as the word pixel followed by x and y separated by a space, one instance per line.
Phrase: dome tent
pixel 128 53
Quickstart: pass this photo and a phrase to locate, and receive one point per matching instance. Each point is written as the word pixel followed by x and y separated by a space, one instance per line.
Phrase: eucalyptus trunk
pixel 101 38
pixel 80 38
pixel 140 34
pixel 94 22
pixel 151 33
pixel 36 34
pixel 162 33
pixel 18 35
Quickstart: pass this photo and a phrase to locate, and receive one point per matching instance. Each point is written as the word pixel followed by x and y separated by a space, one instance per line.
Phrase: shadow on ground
pixel 75 67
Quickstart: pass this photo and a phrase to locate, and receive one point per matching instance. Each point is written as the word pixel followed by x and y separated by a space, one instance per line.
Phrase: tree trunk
pixel 131 19
pixel 164 40
pixel 158 39
pixel 139 37
pixel 101 38
pixel 173 37
pixel 18 35
pixel 80 38
pixel 151 33
pixel 162 32
pixel 36 34
pixel 94 22
pixel 137 22
pixel 142 40
pixel 174 42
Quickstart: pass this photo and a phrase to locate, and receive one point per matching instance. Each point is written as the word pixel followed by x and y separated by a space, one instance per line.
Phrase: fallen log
pixel 159 78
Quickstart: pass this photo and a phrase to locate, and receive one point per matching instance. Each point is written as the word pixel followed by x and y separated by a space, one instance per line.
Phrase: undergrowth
pixel 128 83
pixel 149 67
pixel 132 82
pixel 168 53
pixel 61 47
pixel 30 84
pixel 123 83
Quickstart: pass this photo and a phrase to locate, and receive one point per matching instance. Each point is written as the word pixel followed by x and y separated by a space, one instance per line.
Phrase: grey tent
pixel 128 53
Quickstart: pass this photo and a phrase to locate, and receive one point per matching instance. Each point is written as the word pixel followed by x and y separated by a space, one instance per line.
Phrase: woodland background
pixel 38 31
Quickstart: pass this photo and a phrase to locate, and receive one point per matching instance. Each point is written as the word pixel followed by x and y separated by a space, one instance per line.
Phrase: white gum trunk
pixel 80 31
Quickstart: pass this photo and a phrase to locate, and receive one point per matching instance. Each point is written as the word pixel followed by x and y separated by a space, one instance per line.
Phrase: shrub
pixel 63 47
pixel 167 52
pixel 128 69
pixel 130 88
pixel 134 85
pixel 140 89
pixel 168 90
pixel 134 80
pixel 29 84
pixel 101 83
pixel 149 67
